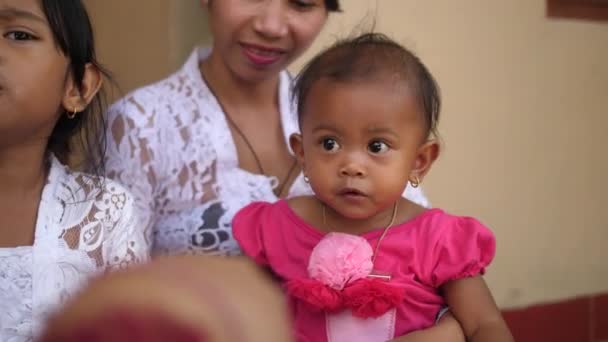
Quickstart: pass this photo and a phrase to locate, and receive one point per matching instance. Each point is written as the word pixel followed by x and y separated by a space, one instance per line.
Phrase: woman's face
pixel 256 39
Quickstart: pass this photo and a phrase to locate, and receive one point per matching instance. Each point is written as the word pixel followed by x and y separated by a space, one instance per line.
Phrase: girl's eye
pixel 377 147
pixel 330 145
pixel 19 35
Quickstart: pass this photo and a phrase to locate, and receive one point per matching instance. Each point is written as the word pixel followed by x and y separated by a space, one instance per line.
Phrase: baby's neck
pixel 310 209
pixel 333 221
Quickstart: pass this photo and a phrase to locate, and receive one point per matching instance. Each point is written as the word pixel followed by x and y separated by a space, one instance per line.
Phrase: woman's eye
pixel 18 35
pixel 378 147
pixel 330 145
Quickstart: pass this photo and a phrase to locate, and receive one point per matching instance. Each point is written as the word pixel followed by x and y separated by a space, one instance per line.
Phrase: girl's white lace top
pixel 81 230
pixel 171 145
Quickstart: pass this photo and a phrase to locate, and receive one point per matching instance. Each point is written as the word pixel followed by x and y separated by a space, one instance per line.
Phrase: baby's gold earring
pixel 415 182
pixel 72 115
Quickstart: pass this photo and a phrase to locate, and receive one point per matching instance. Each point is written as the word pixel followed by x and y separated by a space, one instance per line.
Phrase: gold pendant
pixel 380 275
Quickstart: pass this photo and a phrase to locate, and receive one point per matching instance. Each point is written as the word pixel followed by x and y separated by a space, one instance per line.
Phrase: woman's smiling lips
pixel 262 55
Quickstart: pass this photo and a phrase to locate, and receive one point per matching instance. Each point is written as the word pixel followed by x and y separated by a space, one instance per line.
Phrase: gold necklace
pixel 390 224
pixel 282 184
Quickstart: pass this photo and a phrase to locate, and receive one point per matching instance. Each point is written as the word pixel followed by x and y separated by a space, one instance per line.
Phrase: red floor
pixel 582 319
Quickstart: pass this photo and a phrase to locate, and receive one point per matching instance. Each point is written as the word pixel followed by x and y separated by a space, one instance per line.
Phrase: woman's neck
pixel 22 170
pixel 235 92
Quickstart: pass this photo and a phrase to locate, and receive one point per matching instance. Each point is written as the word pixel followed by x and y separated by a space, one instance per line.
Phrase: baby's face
pixel 360 142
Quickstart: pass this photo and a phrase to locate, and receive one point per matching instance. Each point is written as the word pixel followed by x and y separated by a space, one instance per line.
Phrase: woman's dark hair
pixel 372 57
pixel 333 5
pixel 85 133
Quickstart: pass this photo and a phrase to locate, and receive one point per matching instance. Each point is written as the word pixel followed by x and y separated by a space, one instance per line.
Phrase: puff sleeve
pixel 464 248
pixel 248 230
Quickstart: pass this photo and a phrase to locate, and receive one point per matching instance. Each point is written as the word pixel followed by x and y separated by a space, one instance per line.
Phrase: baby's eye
pixel 330 145
pixel 377 147
pixel 18 35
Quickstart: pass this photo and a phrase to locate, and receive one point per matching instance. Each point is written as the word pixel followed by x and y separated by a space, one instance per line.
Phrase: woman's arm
pixel 447 329
pixel 472 305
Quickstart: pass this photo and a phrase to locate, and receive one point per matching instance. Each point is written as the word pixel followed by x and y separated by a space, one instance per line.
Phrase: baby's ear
pixel 75 98
pixel 295 141
pixel 426 155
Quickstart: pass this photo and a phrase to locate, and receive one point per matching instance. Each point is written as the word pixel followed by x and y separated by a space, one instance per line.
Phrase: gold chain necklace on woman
pixel 282 184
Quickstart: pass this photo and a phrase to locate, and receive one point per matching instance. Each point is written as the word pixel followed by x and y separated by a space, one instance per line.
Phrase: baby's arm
pixel 472 304
pixel 446 330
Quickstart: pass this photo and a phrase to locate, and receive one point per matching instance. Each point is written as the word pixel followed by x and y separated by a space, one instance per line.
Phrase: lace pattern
pixel 15 293
pixel 170 144
pixel 81 230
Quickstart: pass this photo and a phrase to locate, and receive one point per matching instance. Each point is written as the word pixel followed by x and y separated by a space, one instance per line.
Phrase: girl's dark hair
pixel 372 57
pixel 85 133
pixel 333 5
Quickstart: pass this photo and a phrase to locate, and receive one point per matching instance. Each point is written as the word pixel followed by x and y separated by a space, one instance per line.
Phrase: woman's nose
pixel 271 20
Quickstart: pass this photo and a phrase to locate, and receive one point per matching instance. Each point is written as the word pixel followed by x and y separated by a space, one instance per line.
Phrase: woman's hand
pixel 192 298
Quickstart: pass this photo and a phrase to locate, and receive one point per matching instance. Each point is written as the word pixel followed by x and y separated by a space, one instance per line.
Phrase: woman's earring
pixel 306 179
pixel 415 182
pixel 72 115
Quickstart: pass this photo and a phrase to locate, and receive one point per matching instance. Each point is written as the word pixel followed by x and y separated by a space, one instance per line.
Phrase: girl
pixel 359 261
pixel 58 227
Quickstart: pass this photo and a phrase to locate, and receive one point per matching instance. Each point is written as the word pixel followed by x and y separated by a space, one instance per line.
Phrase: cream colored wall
pixel 142 41
pixel 525 123
pixel 187 29
pixel 524 120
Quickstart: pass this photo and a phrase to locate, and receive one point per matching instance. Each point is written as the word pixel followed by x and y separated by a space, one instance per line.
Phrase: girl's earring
pixel 415 182
pixel 306 179
pixel 72 115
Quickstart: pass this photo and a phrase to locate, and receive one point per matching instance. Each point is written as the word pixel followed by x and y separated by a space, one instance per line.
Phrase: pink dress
pixel 326 275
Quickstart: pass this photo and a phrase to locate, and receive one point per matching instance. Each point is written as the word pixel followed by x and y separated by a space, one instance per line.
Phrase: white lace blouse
pixel 171 145
pixel 81 230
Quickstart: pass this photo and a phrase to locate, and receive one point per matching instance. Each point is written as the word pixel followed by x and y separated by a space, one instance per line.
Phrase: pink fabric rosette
pixel 338 268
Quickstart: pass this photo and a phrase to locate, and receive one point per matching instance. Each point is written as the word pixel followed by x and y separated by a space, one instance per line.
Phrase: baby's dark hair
pixel 372 57
pixel 333 5
pixel 73 35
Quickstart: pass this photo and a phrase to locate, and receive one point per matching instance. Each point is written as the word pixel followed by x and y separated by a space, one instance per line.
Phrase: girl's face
pixel 33 73
pixel 360 144
pixel 256 39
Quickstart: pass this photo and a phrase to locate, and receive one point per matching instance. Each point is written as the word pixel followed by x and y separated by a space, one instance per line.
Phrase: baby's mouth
pixel 352 192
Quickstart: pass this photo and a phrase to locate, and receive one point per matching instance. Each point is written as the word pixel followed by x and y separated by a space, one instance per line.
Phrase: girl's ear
pixel 426 156
pixel 295 141
pixel 75 98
